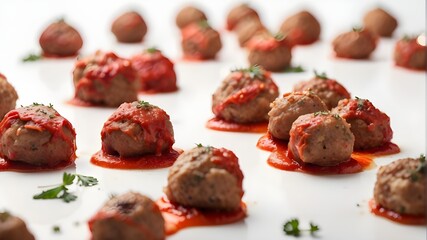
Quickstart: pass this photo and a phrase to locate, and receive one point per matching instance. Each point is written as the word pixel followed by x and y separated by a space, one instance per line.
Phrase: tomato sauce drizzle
pixel 396 217
pixel 153 161
pixel 178 217
pixel 222 125
pixel 281 158
pixel 16 166
pixel 406 49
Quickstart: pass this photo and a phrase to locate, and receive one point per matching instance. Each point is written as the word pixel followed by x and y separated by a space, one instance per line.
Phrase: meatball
pixel 321 138
pixel 401 186
pixel 285 110
pixel 329 90
pixel 370 127
pixel 245 96
pixel 155 72
pixel 271 52
pixel 37 135
pixel 60 39
pixel 245 30
pixel 357 44
pixel 189 15
pixel 380 22
pixel 410 52
pixel 240 13
pixel 130 216
pixel 129 27
pixel 136 129
pixel 13 228
pixel 301 28
pixel 206 178
pixel 200 41
pixel 8 96
pixel 105 79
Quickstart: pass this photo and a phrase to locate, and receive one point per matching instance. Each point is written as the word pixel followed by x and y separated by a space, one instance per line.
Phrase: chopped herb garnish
pixel 4 216
pixel 207 148
pixel 360 103
pixel 291 227
pixel 61 191
pixel 336 116
pixel 320 75
pixel 143 104
pixel 50 105
pixel 421 169
pixel 279 36
pixel 152 50
pixel 357 29
pixel 254 71
pixel 56 229
pixel 32 57
pixel 324 113
pixel 296 69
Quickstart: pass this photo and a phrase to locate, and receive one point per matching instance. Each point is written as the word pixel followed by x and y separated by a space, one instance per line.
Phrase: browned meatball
pixel 321 138
pixel 13 228
pixel 200 41
pixel 270 52
pixel 245 96
pixel 380 22
pixel 37 135
pixel 60 39
pixel 410 52
pixel 189 14
pixel 239 13
pixel 245 30
pixel 357 44
pixel 370 126
pixel 129 27
pixel 329 90
pixel 130 216
pixel 8 96
pixel 301 28
pixel 401 186
pixel 136 129
pixel 285 110
pixel 105 79
pixel 206 178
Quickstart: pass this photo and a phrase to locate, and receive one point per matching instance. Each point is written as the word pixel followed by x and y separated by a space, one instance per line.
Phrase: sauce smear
pixel 396 217
pixel 222 125
pixel 163 160
pixel 178 217
pixel 15 166
pixel 281 158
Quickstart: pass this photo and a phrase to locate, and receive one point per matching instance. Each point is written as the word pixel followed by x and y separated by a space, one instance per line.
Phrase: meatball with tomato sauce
pixel 130 216
pixel 206 177
pixel 240 13
pixel 370 127
pixel 245 96
pixel 60 40
pixel 129 27
pixel 154 71
pixel 401 186
pixel 200 41
pixel 136 129
pixel 270 52
pixel 410 52
pixel 188 15
pixel 380 22
pixel 37 135
pixel 321 138
pixel 13 228
pixel 8 96
pixel 357 44
pixel 327 89
pixel 285 110
pixel 301 28
pixel 105 79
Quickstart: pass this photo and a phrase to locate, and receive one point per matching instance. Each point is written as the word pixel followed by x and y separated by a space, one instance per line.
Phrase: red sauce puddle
pixel 144 162
pixel 396 217
pixel 16 166
pixel 178 217
pixel 281 159
pixel 221 125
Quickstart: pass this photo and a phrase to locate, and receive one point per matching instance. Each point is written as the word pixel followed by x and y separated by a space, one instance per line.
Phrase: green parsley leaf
pixel 254 71
pixel 144 104
pixel 86 181
pixel 32 58
pixel 56 229
pixel 51 193
pixel 296 69
pixel 320 75
pixel 291 227
pixel 152 50
pixel 313 228
pixel 357 28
